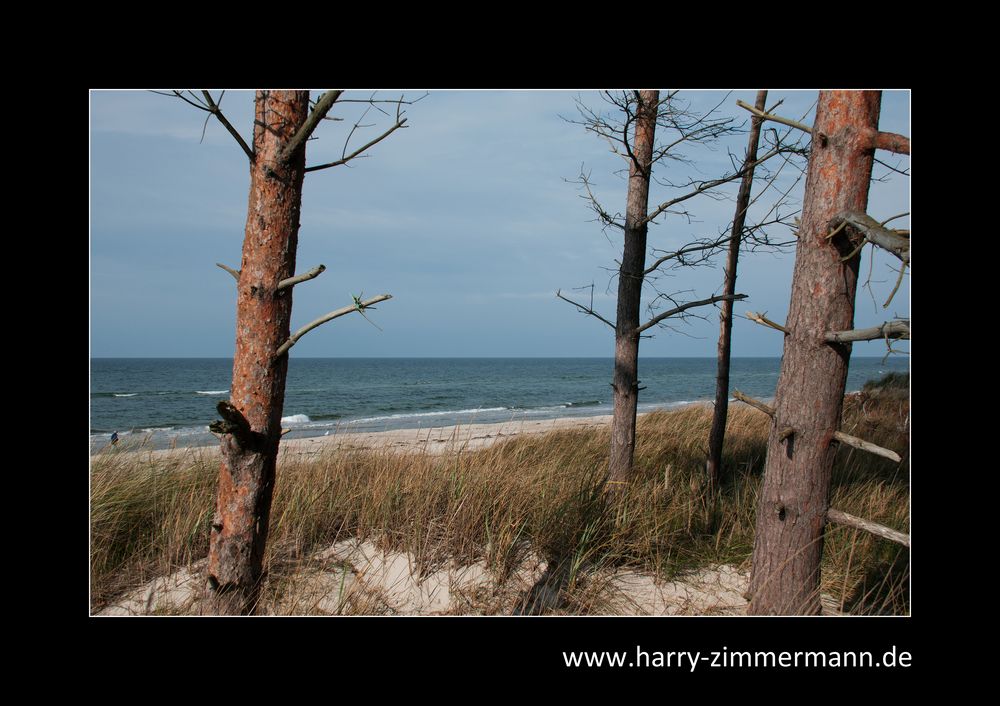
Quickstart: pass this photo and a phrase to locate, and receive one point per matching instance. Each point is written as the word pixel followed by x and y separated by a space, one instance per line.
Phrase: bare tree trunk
pixel 794 498
pixel 250 450
pixel 718 433
pixel 625 381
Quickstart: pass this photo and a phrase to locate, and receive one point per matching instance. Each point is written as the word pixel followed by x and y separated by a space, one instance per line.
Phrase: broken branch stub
pixel 875 233
pixel 866 446
pixel 292 281
pixel 233 422
pixel 842 518
pixel 764 321
pixel 757 404
pixel 774 118
pixel 890 329
pixel 230 270
pixel 890 141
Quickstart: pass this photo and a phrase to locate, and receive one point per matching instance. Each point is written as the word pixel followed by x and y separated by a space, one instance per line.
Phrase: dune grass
pixel 150 514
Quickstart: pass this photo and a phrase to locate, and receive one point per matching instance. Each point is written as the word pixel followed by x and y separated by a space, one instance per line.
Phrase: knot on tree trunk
pixel 233 422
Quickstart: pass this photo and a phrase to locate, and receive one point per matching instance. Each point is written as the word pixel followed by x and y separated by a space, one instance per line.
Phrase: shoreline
pixel 432 440
pixel 386 399
pixel 436 438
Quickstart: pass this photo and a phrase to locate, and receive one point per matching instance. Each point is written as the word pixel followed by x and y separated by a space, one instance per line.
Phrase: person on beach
pixel 114 438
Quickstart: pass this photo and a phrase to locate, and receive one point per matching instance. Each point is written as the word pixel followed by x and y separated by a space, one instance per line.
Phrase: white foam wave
pixel 541 410
pixel 295 419
pixel 426 414
pixel 130 394
pixel 212 392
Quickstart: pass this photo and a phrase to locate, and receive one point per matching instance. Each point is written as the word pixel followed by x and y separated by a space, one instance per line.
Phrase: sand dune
pixel 354 577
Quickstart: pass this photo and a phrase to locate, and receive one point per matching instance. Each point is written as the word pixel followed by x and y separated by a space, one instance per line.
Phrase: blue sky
pixel 466 217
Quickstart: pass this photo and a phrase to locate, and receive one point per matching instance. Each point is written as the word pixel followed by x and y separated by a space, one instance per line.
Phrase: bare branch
pixel 292 281
pixel 211 107
pixel 679 254
pixel 892 218
pixel 359 307
pixel 230 270
pixel 204 128
pixel 842 518
pixel 319 112
pixel 774 118
pixel 683 307
pixel 764 321
pixel 400 122
pixel 751 231
pixel 902 172
pixel 215 110
pixel 899 281
pixel 584 309
pixel 765 408
pixel 630 117
pixel 708 185
pixel 180 94
pixel 372 101
pixel 890 329
pixel 595 205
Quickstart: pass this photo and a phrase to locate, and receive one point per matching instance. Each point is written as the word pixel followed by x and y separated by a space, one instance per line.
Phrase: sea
pixel 169 402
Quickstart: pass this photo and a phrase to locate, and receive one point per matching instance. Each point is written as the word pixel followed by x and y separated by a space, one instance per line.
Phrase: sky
pixel 469 217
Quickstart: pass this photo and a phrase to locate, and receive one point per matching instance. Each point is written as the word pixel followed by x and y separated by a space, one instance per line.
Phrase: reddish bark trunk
pixel 247 474
pixel 625 381
pixel 791 513
pixel 721 412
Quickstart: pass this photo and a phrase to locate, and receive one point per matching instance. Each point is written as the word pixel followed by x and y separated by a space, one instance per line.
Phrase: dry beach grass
pixel 492 522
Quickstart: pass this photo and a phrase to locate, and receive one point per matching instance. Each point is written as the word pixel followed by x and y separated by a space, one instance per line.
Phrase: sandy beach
pixel 433 440
pixel 437 440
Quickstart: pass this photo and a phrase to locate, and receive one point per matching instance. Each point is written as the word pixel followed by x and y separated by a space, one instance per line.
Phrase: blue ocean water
pixel 171 401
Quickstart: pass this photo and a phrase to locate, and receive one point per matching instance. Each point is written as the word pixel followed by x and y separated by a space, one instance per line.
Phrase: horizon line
pixel 444 357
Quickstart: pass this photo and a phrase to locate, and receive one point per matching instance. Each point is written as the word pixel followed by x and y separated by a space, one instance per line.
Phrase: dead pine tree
pixel 644 130
pixel 625 380
pixel 793 500
pixel 720 411
pixel 250 429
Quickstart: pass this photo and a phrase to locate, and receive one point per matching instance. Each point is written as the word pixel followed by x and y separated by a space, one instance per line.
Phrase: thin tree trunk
pixel 718 433
pixel 625 381
pixel 794 498
pixel 247 474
